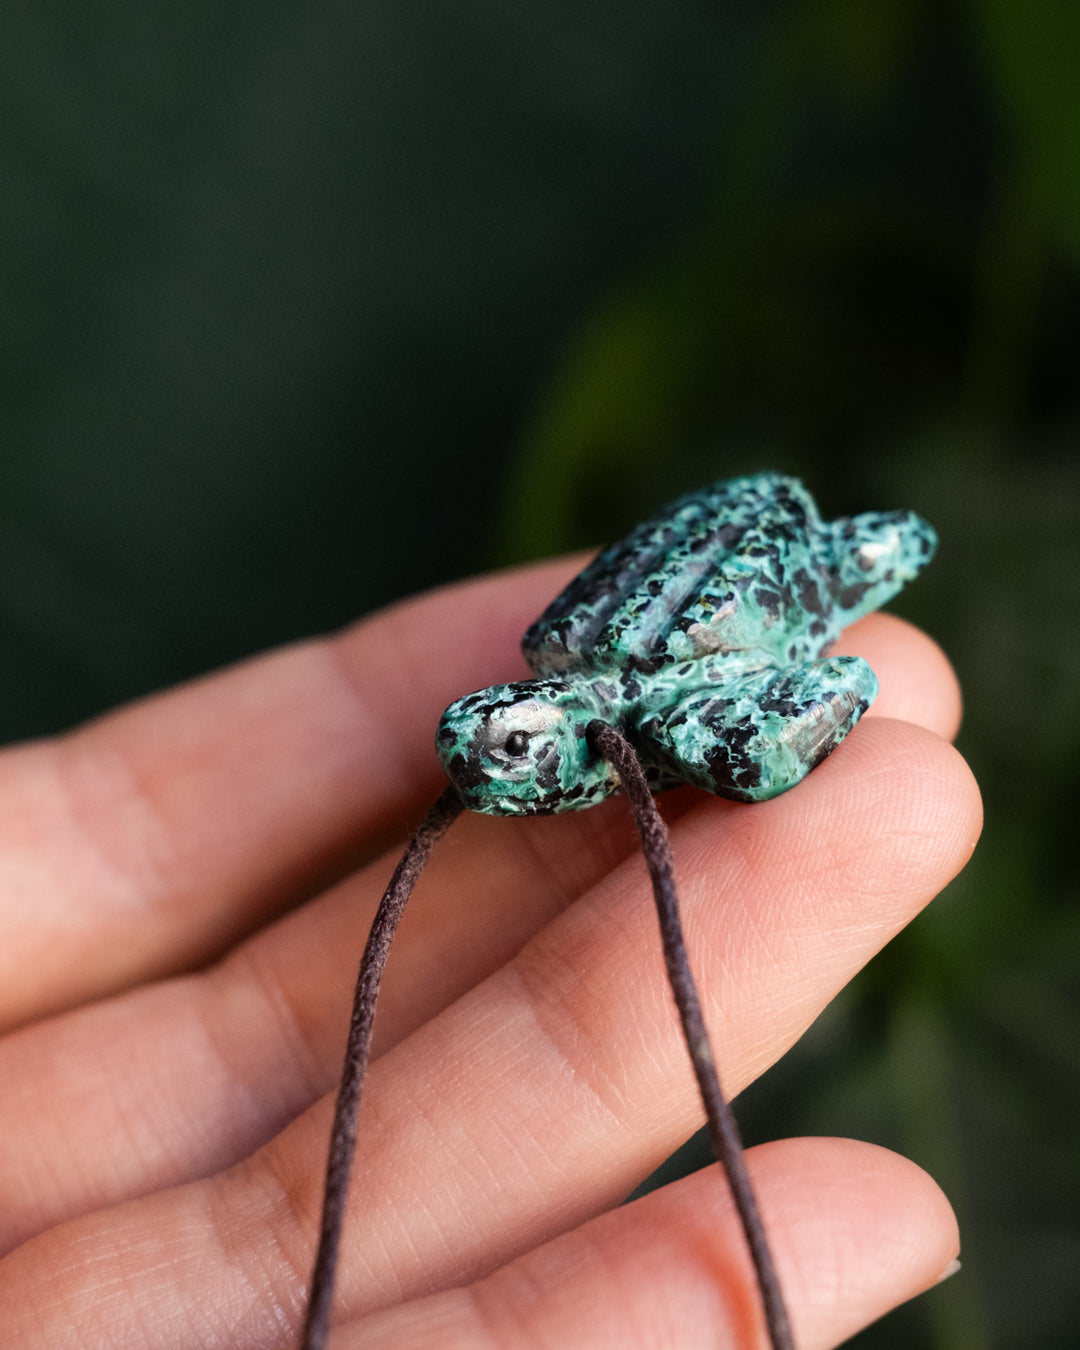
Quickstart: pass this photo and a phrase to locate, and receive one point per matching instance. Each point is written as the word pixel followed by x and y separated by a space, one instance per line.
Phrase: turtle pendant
pixel 703 636
pixel 695 650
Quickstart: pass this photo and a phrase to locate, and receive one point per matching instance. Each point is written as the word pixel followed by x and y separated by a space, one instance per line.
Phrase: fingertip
pixel 829 872
pixel 854 1229
pixel 918 682
pixel 939 800
pixel 863 1230
pixel 908 798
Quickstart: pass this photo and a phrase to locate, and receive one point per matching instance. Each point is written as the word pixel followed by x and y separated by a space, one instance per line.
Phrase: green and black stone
pixel 703 636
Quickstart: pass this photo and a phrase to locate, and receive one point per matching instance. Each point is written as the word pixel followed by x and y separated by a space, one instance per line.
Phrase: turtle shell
pixel 740 566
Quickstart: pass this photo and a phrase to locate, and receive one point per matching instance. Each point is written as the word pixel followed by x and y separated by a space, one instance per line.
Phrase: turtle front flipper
pixel 753 735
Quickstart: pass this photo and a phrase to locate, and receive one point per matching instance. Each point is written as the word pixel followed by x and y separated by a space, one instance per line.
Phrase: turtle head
pixel 521 750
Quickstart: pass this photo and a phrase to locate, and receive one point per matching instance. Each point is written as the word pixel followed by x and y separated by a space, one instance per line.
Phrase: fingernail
pixel 950 1269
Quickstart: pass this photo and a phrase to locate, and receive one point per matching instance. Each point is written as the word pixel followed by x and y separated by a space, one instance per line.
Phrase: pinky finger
pixel 856 1231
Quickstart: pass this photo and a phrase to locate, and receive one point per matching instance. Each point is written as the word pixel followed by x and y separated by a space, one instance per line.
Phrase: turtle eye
pixel 517 743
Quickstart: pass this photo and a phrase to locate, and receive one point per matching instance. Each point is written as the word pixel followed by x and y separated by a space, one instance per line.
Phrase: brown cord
pixel 357 1049
pixel 727 1146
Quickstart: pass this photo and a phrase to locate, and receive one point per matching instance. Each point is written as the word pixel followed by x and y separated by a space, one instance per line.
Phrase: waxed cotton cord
pixel 357 1050
pixel 727 1146
pixel 726 1143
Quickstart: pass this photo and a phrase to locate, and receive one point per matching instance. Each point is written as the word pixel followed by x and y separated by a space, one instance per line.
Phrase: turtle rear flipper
pixel 874 556
pixel 754 735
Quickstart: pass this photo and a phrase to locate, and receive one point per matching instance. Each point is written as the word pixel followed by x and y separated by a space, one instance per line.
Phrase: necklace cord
pixel 357 1052
pixel 724 1133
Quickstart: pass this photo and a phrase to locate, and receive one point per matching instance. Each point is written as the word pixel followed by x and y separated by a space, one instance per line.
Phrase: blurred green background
pixel 306 307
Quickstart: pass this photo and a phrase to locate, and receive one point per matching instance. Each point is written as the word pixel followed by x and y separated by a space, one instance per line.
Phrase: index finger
pixel 150 840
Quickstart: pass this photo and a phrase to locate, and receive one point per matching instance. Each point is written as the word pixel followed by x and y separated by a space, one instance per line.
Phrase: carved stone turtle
pixel 703 636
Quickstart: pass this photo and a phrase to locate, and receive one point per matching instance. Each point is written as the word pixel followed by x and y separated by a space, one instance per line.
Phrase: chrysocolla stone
pixel 703 636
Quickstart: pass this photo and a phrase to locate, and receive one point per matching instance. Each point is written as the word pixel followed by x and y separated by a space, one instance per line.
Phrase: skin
pixel 192 880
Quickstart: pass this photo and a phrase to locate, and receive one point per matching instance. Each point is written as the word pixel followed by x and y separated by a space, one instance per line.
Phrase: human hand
pixel 165 1138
